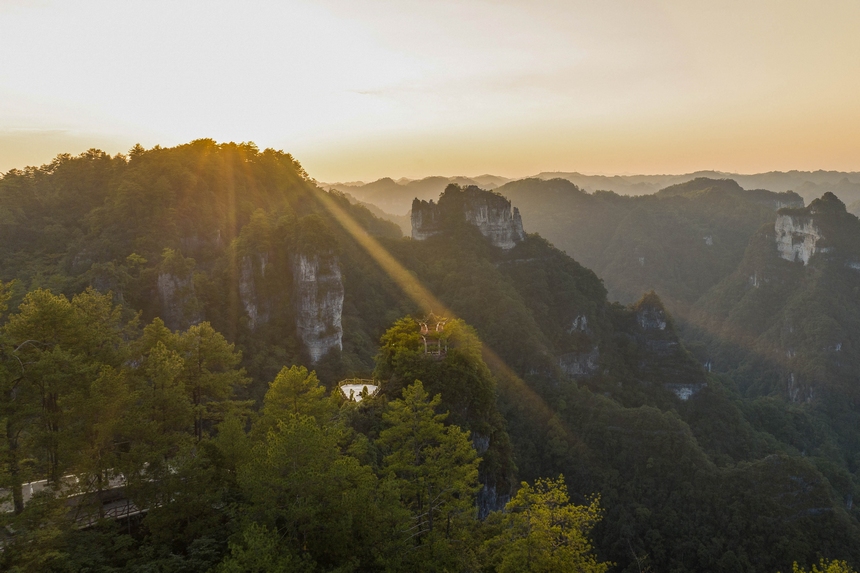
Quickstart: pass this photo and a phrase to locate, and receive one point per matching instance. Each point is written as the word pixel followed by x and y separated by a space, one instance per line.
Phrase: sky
pixel 361 89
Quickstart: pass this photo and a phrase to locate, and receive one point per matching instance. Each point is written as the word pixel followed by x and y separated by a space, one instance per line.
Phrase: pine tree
pixel 542 532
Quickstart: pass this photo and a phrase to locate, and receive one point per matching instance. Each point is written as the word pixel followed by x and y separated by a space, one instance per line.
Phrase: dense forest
pixel 176 321
pixel 680 241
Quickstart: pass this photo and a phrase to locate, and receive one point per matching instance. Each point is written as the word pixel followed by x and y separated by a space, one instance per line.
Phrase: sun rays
pixel 426 300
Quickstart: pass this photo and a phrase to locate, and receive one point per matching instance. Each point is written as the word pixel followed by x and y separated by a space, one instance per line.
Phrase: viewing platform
pixel 356 389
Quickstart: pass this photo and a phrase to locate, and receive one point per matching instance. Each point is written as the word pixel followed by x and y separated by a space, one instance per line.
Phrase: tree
pixel 543 532
pixel 165 407
pixel 325 507
pixel 293 392
pixel 14 409
pixel 62 345
pixel 261 550
pixel 98 435
pixel 210 373
pixel 436 469
pixel 463 379
pixel 67 396
pixel 825 566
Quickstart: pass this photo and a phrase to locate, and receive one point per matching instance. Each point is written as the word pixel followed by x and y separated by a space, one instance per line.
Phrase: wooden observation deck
pixel 433 335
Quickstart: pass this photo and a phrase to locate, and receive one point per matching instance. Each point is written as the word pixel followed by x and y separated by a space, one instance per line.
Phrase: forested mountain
pixel 679 242
pixel 784 326
pixel 244 272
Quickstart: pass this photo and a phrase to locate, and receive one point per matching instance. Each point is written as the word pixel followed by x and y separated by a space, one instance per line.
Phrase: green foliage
pixel 98 400
pixel 460 380
pixel 295 392
pixel 326 507
pixel 436 472
pixel 262 551
pixel 824 566
pixel 460 376
pixel 210 373
pixel 542 531
pixel 659 241
pixel 200 241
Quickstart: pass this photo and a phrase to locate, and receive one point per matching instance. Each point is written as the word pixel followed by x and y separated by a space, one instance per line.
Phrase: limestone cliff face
pixel 492 215
pixel 179 305
pixel 318 289
pixel 426 220
pixel 651 317
pixel 580 364
pixel 490 212
pixel 796 237
pixel 249 268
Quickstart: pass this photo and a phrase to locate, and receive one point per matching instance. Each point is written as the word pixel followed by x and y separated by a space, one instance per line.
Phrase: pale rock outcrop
pixel 489 499
pixel 248 289
pixel 490 212
pixel 578 324
pixel 796 237
pixel 492 215
pixel 685 391
pixel 580 364
pixel 481 443
pixel 319 292
pixel 426 220
pixel 651 318
pixel 179 305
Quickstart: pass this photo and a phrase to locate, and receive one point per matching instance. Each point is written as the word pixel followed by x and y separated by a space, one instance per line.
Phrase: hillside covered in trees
pixel 680 241
pixel 181 317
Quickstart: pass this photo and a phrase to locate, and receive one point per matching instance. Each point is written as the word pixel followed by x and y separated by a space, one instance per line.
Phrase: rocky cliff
pixel 490 212
pixel 786 329
pixel 318 290
pixel 256 309
pixel 796 237
pixel 179 306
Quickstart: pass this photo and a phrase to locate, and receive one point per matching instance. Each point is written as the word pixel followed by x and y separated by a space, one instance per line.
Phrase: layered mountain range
pixel 395 197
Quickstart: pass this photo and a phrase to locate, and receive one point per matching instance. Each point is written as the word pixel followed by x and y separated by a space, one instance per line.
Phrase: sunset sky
pixel 357 90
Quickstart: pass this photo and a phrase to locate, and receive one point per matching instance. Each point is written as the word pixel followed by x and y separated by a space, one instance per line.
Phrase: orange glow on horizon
pixel 412 89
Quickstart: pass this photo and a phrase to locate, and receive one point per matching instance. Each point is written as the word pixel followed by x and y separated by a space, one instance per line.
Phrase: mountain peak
pixel 828 203
pixel 700 184
pixel 490 212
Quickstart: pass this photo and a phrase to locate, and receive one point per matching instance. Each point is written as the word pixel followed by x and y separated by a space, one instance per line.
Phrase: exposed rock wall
pixel 580 364
pixel 796 237
pixel 490 212
pixel 248 292
pixel 319 291
pixel 179 305
pixel 651 317
pixel 426 219
pixel 489 499
pixel 492 215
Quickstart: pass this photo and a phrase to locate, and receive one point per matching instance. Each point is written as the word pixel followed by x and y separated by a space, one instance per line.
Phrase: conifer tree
pixel 436 469
pixel 542 532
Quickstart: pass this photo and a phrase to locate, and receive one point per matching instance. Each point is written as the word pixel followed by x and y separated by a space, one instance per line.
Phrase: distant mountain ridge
pixel 395 197
pixel 808 184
